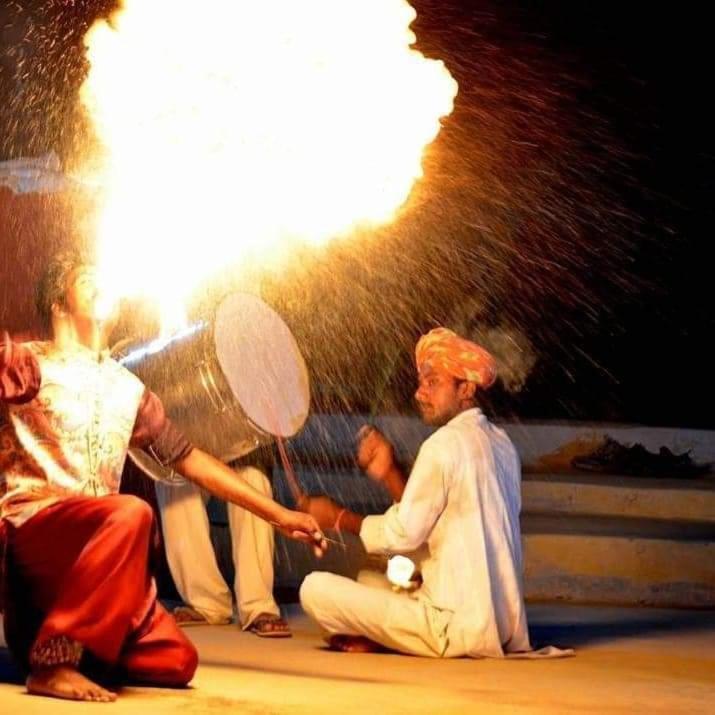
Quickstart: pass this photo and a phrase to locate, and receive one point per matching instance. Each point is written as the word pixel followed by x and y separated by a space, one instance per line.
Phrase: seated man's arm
pixel 406 526
pixel 375 455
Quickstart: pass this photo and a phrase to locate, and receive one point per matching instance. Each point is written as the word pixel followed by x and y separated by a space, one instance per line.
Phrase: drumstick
pixel 293 485
pixel 292 480
pixel 341 544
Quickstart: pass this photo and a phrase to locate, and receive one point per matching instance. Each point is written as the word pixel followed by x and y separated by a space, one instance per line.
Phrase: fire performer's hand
pixel 305 528
pixel 375 455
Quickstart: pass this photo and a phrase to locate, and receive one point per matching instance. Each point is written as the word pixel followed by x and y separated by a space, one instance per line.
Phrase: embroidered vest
pixel 72 438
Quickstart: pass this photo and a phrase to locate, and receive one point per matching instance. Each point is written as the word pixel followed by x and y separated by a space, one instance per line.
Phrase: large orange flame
pixel 233 130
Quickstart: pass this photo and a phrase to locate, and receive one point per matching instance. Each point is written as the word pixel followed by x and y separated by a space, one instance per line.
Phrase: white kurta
pixel 462 500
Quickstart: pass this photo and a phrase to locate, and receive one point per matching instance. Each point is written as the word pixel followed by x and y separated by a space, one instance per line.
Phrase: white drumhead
pixel 262 364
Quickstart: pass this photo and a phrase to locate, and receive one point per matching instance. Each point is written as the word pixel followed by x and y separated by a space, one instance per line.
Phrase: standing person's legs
pixel 396 621
pixel 253 543
pixel 190 553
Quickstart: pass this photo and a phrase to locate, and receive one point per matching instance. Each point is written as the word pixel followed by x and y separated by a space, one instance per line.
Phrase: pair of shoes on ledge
pixel 612 457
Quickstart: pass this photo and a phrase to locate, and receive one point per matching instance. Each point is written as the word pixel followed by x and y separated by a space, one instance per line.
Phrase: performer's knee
pixel 132 513
pixel 184 666
pixel 188 664
pixel 133 510
pixel 313 586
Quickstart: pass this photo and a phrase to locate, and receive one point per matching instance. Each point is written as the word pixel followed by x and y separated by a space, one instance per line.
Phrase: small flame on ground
pixel 400 570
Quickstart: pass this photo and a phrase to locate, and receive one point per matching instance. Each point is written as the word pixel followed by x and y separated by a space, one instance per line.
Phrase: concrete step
pixel 680 500
pixel 619 561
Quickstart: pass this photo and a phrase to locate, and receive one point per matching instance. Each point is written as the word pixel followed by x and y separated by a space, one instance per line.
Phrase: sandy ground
pixel 628 661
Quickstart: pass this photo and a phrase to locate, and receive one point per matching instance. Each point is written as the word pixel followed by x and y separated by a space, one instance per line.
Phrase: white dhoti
pixel 462 503
pixel 192 560
pixel 370 608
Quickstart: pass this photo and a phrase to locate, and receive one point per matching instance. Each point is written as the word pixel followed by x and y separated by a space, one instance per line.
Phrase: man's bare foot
pixel 62 681
pixel 355 644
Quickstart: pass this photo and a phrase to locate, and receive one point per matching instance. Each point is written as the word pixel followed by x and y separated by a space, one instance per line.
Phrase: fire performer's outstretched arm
pixel 218 479
pixel 154 432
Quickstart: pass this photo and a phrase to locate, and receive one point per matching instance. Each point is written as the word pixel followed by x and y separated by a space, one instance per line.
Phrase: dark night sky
pixel 643 74
pixel 649 69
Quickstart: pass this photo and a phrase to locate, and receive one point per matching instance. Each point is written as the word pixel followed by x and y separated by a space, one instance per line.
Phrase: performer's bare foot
pixel 355 644
pixel 62 681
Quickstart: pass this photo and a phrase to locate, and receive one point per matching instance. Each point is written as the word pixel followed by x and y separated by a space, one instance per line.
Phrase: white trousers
pixel 368 607
pixel 192 560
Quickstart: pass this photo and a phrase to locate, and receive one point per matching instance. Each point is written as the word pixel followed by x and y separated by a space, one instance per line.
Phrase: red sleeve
pixel 154 431
pixel 19 372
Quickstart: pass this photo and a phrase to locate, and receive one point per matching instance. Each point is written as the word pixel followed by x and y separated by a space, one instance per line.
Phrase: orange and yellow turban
pixel 444 350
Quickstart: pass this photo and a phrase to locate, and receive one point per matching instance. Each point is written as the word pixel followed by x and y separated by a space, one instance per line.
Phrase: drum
pixel 230 385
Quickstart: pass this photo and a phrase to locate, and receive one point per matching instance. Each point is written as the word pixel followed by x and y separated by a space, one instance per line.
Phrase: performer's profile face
pixel 438 396
pixel 81 291
pixel 83 294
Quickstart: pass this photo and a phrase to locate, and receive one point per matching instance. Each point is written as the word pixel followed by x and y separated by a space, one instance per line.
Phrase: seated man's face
pixel 438 396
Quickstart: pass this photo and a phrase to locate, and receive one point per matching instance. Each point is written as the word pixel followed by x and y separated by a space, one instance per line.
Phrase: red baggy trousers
pixel 80 569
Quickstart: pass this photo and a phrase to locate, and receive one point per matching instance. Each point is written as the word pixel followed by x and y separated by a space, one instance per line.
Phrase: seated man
pixel 77 553
pixel 193 564
pixel 461 501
